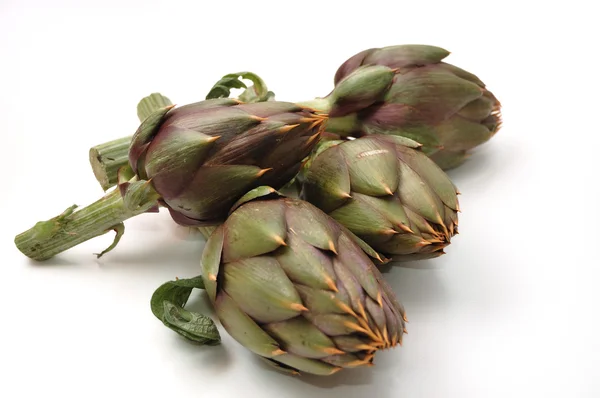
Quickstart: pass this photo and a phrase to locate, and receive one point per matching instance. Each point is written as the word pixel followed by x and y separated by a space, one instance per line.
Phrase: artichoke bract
pixel 407 90
pixel 291 285
pixel 387 192
pixel 203 157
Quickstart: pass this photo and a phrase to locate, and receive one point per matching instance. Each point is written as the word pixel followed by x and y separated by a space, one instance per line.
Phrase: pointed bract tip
pixel 365 347
pixel 345 195
pixel 361 311
pixel 258 118
pixel 387 189
pixel 331 284
pixel 213 138
pixel 314 137
pixel 279 240
pixel 379 299
pixel 389 231
pixel 332 247
pixel 386 337
pixel 212 277
pixel 298 307
pixel 332 351
pixel 334 370
pixel 359 362
pixel 285 129
pixel 404 318
pixel 354 326
pixel 263 171
pixel 278 351
pixel 317 122
pixel 344 307
pixel 405 228
pixel 404 331
pixel 423 243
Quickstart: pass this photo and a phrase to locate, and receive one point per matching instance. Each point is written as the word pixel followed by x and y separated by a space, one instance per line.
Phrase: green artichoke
pixel 407 90
pixel 387 192
pixel 291 285
pixel 203 157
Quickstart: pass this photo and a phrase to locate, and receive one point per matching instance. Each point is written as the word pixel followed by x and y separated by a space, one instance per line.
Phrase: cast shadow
pixel 352 377
pixel 419 284
pixel 204 358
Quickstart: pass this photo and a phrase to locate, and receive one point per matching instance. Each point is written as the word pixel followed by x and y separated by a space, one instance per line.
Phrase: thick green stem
pixel 107 158
pixel 343 125
pixel 48 238
pixel 318 104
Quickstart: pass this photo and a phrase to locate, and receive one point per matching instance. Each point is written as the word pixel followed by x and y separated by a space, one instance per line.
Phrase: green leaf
pixel 191 325
pixel 257 92
pixel 151 103
pixel 167 305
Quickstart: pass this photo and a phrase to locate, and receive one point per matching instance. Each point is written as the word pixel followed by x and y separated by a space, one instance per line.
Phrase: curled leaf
pixel 167 305
pixel 257 92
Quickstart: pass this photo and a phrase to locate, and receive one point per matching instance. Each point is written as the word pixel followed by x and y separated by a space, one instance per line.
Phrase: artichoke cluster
pixel 300 202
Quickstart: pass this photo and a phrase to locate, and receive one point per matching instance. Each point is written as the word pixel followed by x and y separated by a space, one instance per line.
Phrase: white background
pixel 510 311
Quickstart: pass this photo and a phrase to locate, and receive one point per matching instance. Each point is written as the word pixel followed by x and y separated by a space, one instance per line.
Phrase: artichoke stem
pixel 107 158
pixel 343 125
pixel 318 104
pixel 48 238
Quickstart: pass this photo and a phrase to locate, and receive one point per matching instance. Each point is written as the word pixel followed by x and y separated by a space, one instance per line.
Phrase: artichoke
pixel 387 192
pixel 291 285
pixel 407 90
pixel 201 158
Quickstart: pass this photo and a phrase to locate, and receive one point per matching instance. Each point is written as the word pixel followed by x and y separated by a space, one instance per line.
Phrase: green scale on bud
pixel 387 192
pixel 294 287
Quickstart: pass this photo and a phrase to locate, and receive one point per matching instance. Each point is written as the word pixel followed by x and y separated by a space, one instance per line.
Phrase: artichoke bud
pixel 423 103
pixel 201 158
pixel 363 87
pixel 290 284
pixel 400 202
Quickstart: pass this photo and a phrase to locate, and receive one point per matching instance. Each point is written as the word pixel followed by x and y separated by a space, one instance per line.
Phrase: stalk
pixel 318 104
pixel 48 238
pixel 107 158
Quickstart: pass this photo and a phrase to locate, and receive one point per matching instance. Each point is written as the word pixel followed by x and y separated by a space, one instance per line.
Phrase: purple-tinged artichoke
pixel 203 157
pixel 387 192
pixel 407 90
pixel 291 285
